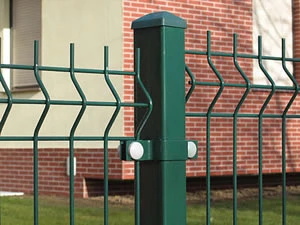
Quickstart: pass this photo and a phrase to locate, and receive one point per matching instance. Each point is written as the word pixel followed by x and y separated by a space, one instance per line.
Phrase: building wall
pixel 223 18
pixel 90 26
pixel 16 170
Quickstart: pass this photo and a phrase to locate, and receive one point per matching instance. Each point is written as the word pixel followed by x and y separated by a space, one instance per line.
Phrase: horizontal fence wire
pixel 247 86
pixel 47 103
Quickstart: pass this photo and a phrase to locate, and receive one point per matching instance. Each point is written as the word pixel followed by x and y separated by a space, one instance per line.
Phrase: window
pixel 5 53
pixel 273 21
pixel 25 28
pixel 5 39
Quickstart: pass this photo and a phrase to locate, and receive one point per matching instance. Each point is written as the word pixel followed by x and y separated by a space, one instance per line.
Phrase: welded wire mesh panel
pixel 112 100
pixel 233 117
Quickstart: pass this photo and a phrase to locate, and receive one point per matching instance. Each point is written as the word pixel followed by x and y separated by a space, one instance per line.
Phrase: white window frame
pixel 10 51
pixel 273 21
pixel 6 55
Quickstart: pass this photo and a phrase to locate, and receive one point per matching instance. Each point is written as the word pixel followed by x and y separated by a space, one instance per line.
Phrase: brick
pixel 17 172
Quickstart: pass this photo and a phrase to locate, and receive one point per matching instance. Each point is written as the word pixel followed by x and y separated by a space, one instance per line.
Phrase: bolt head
pixel 192 149
pixel 136 150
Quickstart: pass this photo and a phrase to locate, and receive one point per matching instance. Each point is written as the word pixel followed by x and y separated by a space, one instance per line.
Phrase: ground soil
pixel 216 195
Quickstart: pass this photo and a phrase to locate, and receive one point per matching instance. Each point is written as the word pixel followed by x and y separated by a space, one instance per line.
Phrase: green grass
pixel 221 212
pixel 18 211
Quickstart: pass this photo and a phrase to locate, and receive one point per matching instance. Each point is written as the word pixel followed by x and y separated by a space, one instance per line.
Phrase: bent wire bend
pixel 284 123
pixel 107 130
pixel 72 133
pixel 260 129
pixel 9 101
pixel 235 124
pixel 208 124
pixel 192 82
pixel 149 99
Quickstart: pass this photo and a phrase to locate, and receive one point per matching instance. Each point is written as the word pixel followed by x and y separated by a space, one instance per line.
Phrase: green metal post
pixel 160 37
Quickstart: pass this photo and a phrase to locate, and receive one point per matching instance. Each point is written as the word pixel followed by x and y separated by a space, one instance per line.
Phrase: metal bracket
pixel 143 150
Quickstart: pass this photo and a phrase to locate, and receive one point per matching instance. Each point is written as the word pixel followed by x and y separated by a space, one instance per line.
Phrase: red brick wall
pixel 222 18
pixel 247 151
pixel 16 170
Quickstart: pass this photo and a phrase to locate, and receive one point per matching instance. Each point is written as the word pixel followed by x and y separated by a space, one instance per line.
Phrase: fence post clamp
pixel 143 150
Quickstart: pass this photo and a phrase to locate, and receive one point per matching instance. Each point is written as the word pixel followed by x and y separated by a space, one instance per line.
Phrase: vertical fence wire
pixel 3 120
pixel 260 128
pixel 235 126
pixel 284 130
pixel 106 132
pixel 208 129
pixel 36 132
pixel 71 146
pixel 72 134
pixel 138 131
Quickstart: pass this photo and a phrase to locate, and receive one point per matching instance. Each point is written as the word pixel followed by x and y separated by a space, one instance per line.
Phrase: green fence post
pixel 160 37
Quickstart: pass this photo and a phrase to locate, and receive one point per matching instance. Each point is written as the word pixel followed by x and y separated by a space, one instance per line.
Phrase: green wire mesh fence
pixel 220 84
pixel 9 101
pixel 245 86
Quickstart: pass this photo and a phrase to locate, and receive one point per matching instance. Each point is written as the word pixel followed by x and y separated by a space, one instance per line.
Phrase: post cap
pixel 158 19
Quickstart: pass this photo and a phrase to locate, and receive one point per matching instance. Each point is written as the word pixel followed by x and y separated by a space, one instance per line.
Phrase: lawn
pixel 18 210
pixel 247 212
